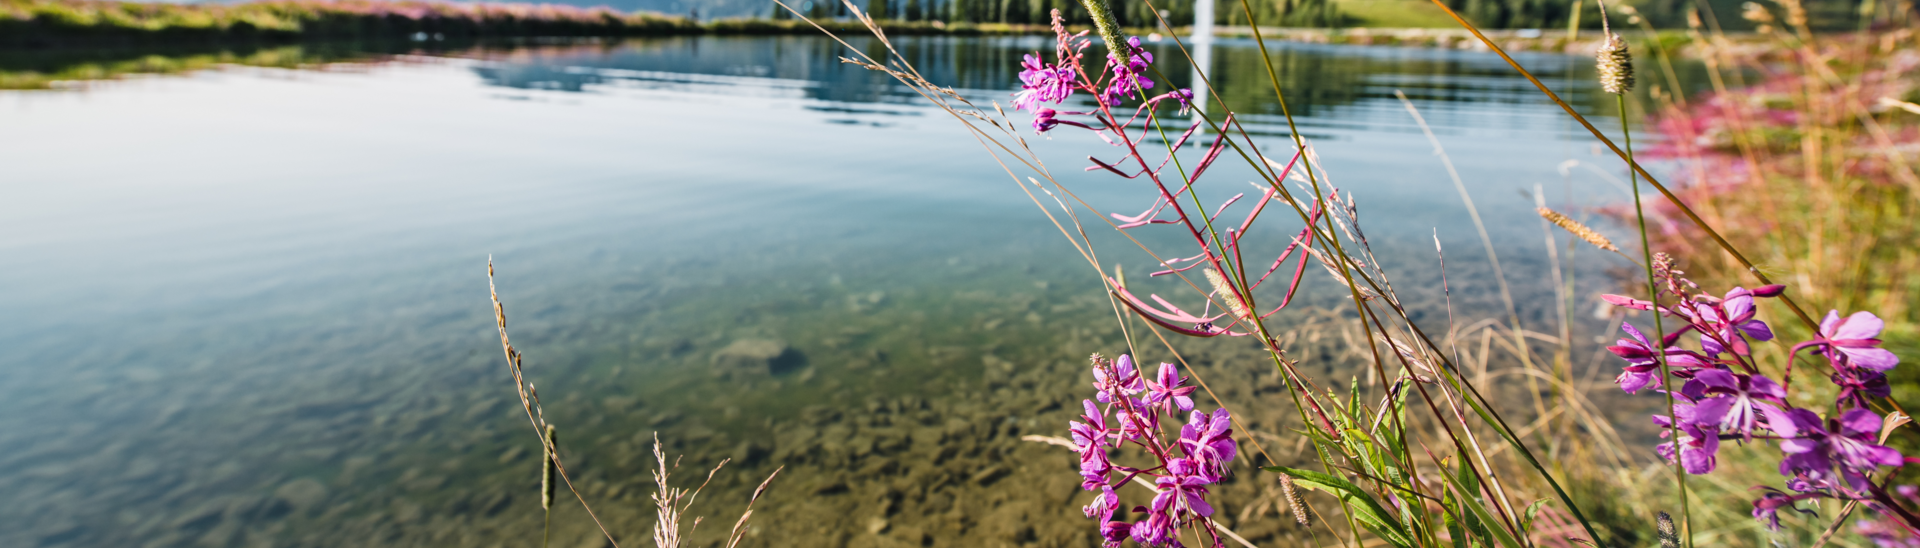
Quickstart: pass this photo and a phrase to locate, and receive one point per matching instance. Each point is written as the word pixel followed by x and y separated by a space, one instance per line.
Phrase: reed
pixel 671 502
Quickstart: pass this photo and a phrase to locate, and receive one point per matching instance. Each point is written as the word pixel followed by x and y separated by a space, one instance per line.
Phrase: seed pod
pixel 1294 504
pixel 546 469
pixel 1577 229
pixel 1615 65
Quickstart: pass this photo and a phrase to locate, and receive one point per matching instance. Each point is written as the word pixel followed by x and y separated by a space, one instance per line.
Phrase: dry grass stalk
pixel 1578 230
pixel 740 527
pixel 673 502
pixel 530 403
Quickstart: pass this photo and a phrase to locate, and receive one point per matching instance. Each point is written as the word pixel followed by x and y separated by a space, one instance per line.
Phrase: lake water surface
pixel 248 306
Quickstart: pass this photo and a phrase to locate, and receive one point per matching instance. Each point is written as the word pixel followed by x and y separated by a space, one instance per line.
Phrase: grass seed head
pixel 1615 64
pixel 1577 229
pixel 546 469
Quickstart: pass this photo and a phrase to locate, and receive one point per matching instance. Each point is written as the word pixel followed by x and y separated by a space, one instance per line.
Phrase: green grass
pixel 1395 14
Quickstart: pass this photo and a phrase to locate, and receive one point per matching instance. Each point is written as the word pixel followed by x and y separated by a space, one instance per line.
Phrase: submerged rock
pixel 756 358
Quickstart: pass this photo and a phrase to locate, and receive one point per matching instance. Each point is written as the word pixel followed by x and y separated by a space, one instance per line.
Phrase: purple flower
pixel 1128 77
pixel 1855 339
pixel 1815 446
pixel 1125 379
pixel 1767 508
pixel 1114 533
pixel 1725 322
pixel 1158 529
pixel 1697 448
pixel 1858 386
pixel 1045 119
pixel 1737 403
pixel 1183 490
pixel 1209 442
pixel 1138 423
pixel 1092 433
pixel 1090 440
pixel 1042 83
pixel 1103 504
pixel 1165 392
pixel 1643 368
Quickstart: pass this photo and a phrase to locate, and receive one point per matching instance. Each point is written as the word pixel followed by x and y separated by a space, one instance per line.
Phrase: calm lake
pixel 248 306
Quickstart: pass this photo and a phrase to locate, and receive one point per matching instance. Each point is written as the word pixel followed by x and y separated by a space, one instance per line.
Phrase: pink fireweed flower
pixel 1734 403
pixel 1103 504
pixel 1859 386
pixel 1814 447
pixel 1767 508
pixel 1045 119
pixel 1090 440
pixel 1643 368
pixel 1042 83
pixel 1855 340
pixel 1135 425
pixel 1697 449
pixel 1124 380
pixel 1182 491
pixel 1113 533
pixel 1728 319
pixel 1165 392
pixel 1209 442
pixel 1158 529
pixel 1129 78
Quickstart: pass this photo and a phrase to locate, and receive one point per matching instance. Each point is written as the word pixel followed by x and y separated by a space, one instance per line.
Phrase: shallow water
pixel 248 306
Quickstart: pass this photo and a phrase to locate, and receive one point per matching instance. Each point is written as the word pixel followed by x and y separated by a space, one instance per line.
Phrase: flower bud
pixel 1615 64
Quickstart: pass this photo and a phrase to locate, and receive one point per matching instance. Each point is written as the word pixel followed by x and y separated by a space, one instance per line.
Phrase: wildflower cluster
pixel 1723 396
pixel 1043 83
pixel 1131 410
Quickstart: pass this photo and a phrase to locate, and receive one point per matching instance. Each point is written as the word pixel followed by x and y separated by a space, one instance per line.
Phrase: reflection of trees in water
pixel 1316 78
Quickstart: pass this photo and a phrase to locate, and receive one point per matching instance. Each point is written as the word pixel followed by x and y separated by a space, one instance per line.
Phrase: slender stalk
pixel 1659 333
pixel 1635 167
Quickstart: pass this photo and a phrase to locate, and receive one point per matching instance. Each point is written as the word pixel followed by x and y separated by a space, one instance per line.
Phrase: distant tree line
pixel 1497 14
pixel 1131 13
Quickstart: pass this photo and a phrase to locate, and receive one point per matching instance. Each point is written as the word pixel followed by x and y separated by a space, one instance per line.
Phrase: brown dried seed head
pixel 1615 64
pixel 1294 504
pixel 1577 229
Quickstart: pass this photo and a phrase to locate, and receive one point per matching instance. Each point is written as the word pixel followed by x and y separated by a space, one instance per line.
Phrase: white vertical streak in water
pixel 1202 55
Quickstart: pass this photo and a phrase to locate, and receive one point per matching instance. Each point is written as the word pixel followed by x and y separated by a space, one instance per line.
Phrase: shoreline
pixel 76 25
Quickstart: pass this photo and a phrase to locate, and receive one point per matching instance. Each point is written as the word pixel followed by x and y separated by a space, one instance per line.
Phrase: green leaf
pixel 1506 433
pixel 1526 517
pixel 1472 504
pixel 1360 504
